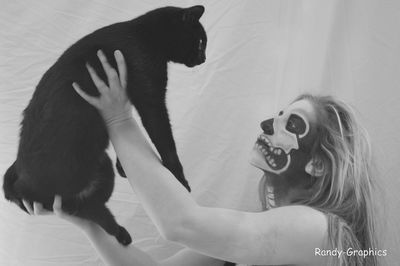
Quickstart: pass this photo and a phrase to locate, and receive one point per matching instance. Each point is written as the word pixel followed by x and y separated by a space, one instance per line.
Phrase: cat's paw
pixel 186 185
pixel 177 171
pixel 181 178
pixel 18 202
pixel 123 237
pixel 21 204
pixel 120 170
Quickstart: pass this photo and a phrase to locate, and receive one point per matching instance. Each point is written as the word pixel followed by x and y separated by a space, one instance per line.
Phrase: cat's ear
pixel 193 13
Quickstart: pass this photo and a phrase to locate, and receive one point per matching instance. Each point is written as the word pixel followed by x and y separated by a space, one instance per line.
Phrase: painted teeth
pixel 276 151
pixel 269 158
pixel 271 161
pixel 263 150
pixel 261 137
pixel 268 151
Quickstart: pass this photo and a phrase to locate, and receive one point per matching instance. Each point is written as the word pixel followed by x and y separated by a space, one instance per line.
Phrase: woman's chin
pixel 257 159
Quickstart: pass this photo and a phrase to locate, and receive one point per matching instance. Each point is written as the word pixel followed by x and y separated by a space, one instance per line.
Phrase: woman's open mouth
pixel 275 157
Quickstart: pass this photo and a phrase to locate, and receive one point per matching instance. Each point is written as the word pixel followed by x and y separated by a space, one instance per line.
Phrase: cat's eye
pixel 200 44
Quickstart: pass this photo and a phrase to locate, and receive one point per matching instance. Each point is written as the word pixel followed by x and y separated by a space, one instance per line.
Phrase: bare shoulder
pixel 301 213
pixel 284 235
pixel 298 231
pixel 301 221
pixel 302 216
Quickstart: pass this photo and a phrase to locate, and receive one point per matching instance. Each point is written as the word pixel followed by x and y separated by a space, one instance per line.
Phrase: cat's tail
pixel 8 187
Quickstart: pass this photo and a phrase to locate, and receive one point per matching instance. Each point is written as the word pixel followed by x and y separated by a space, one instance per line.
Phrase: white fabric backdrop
pixel 261 54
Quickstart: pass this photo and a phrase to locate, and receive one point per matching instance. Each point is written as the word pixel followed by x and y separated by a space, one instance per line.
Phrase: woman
pixel 316 189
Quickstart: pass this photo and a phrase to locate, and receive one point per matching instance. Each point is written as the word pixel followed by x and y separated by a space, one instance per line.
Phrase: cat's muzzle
pixel 200 59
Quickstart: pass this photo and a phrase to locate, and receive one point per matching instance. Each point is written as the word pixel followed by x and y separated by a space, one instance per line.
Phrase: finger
pixel 57 204
pixel 38 208
pixel 123 76
pixel 28 207
pixel 90 99
pixel 101 86
pixel 111 73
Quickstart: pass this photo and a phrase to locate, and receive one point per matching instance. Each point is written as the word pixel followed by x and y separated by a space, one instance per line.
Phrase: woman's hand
pixel 110 250
pixel 113 102
pixel 38 209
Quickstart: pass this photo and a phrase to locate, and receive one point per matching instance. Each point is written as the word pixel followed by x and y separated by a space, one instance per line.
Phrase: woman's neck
pixel 278 192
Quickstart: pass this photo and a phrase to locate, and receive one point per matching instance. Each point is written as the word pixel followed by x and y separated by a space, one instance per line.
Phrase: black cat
pixel 63 138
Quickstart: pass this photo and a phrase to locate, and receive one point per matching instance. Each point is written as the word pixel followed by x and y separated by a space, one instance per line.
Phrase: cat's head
pixel 191 39
pixel 183 37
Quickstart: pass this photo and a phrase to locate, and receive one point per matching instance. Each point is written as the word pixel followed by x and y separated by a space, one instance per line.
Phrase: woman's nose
pixel 268 126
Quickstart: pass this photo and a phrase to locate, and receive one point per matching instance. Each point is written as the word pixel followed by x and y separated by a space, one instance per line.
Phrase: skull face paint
pixel 284 147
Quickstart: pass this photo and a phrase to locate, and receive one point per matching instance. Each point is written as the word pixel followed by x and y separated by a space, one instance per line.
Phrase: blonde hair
pixel 346 188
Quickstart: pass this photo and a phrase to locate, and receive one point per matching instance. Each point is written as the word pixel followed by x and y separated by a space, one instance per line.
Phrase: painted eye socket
pixel 296 125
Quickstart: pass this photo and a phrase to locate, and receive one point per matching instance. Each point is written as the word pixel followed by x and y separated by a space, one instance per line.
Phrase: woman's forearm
pixel 114 253
pixel 166 201
pixel 218 233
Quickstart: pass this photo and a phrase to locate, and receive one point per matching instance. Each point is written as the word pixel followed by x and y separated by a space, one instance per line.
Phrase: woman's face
pixel 284 147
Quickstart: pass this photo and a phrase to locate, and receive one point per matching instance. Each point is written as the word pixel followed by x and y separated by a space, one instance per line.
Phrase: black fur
pixel 63 138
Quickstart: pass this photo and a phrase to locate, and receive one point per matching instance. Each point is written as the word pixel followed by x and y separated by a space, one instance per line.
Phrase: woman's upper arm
pixel 189 257
pixel 283 235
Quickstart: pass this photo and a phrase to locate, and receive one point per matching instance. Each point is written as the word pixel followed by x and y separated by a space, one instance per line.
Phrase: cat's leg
pixel 120 170
pixel 156 122
pixel 90 202
pixel 101 215
pixel 101 185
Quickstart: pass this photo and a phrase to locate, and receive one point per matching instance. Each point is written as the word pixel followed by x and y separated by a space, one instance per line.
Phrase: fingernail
pixel 118 53
pixel 74 84
pixel 100 53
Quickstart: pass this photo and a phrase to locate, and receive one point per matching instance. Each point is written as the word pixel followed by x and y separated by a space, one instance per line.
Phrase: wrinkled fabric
pixel 260 56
